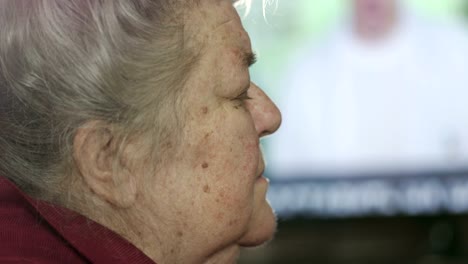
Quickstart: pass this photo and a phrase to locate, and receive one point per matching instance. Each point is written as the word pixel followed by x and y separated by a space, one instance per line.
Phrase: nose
pixel 265 114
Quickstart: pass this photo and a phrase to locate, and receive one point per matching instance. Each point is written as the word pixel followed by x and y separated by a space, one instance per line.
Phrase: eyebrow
pixel 249 58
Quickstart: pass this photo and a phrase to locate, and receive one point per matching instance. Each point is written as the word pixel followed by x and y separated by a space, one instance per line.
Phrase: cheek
pixel 229 149
pixel 229 164
pixel 223 158
pixel 227 170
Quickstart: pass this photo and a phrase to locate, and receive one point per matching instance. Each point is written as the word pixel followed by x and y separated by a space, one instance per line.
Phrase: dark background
pixel 441 239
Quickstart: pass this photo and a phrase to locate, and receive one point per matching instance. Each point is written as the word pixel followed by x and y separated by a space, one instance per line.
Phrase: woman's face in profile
pixel 214 184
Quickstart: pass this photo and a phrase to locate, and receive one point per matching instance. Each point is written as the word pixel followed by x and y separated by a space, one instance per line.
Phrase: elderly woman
pixel 129 133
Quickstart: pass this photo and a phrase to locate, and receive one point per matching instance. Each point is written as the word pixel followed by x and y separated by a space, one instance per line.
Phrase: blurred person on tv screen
pixel 385 90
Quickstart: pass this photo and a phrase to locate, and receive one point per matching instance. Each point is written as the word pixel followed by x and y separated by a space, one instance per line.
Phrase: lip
pixel 262 179
pixel 262 171
pixel 261 166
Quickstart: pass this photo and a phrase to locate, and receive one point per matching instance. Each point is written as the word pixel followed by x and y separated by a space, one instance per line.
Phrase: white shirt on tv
pixel 402 104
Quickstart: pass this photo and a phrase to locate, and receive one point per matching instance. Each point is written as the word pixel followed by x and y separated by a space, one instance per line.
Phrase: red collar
pixel 95 242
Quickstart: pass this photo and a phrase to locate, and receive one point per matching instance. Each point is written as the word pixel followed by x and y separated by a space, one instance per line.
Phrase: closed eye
pixel 250 59
pixel 244 95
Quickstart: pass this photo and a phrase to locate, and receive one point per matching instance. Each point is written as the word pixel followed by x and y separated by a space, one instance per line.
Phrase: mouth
pixel 260 176
pixel 261 167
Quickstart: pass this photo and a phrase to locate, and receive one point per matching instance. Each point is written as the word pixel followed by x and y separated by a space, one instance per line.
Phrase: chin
pixel 261 229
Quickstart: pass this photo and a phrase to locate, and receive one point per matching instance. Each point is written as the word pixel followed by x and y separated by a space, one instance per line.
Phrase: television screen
pixel 373 98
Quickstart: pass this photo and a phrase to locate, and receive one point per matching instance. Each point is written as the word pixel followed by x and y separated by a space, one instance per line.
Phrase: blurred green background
pixel 284 28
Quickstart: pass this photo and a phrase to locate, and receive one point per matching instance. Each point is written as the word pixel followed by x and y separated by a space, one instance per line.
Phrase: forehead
pixel 216 22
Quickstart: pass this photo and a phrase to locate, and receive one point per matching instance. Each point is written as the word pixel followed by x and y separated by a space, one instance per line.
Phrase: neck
pixel 166 244
pixel 164 241
pixel 170 247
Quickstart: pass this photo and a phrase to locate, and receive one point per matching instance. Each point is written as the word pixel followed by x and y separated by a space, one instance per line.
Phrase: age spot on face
pixel 205 165
pixel 219 216
pixel 207 135
pixel 204 110
pixel 206 189
pixel 167 145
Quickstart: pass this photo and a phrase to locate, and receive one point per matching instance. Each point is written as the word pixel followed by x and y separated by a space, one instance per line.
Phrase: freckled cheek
pixel 232 156
pixel 232 207
pixel 240 183
pixel 227 167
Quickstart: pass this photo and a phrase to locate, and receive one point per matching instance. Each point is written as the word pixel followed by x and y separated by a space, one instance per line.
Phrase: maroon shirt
pixel 33 231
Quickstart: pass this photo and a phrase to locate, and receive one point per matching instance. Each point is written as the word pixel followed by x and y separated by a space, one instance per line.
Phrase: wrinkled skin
pixel 214 183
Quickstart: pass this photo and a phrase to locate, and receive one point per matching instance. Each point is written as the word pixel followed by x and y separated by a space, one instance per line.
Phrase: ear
pixel 95 151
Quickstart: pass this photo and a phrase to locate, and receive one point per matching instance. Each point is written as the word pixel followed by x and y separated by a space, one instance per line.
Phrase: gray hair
pixel 65 62
pixel 247 5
